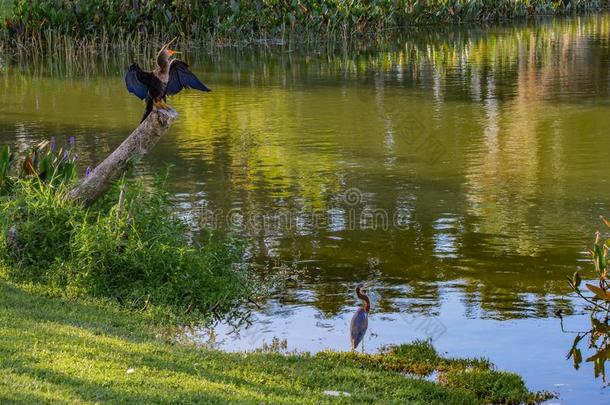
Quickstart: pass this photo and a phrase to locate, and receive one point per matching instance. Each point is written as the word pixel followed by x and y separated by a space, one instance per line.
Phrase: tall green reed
pixel 45 25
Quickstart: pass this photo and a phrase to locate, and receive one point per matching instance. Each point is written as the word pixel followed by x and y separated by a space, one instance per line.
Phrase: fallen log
pixel 138 144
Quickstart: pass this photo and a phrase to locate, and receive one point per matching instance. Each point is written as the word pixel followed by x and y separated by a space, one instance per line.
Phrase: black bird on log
pixel 170 76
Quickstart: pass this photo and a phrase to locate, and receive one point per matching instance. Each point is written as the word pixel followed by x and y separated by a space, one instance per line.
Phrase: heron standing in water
pixel 170 76
pixel 360 320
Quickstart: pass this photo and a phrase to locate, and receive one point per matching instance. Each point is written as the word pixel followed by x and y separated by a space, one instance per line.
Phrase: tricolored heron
pixel 170 76
pixel 360 320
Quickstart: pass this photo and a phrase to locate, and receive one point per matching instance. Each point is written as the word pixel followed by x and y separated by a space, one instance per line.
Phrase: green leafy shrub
pixel 128 247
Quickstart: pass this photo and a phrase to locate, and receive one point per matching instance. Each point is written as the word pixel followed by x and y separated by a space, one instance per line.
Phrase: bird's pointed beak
pixel 368 284
pixel 166 46
pixel 172 52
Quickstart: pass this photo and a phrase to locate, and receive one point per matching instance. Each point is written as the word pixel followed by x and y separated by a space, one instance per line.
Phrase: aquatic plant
pixel 598 341
pixel 44 162
pixel 227 22
pixel 598 306
pixel 600 300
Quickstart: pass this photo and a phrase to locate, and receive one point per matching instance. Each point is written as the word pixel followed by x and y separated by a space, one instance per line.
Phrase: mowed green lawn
pixel 58 351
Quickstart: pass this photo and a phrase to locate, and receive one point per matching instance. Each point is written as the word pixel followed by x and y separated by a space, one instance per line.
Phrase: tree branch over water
pixel 138 144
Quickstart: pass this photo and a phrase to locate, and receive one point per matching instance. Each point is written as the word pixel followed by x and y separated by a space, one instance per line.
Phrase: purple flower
pixel 76 157
pixel 72 140
pixel 88 172
pixel 52 145
pixel 65 156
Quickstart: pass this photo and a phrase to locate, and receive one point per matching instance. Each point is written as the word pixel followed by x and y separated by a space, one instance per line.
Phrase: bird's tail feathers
pixel 149 108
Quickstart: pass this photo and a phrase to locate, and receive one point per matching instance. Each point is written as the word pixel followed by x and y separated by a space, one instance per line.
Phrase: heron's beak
pixel 172 52
pixel 368 284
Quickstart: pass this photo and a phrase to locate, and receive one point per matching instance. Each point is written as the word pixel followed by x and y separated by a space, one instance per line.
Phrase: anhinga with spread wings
pixel 170 76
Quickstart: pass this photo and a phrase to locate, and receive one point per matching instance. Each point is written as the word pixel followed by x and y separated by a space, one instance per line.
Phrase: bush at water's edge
pixel 136 253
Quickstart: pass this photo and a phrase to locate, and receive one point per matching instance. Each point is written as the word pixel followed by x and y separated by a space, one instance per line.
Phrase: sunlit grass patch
pixel 492 387
pixel 474 377
pixel 418 357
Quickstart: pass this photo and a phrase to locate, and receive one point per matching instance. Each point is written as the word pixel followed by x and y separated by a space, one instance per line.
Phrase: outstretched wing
pixel 180 77
pixel 138 81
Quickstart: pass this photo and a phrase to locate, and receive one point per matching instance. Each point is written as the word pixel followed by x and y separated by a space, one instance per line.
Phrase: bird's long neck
pixel 164 67
pixel 363 297
pixel 163 63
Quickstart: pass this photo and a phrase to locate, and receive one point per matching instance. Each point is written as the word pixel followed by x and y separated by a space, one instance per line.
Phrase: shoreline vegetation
pixel 62 350
pixel 43 26
pixel 129 247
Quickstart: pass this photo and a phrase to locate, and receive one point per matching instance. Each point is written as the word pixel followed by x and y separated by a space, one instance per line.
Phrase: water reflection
pixel 517 113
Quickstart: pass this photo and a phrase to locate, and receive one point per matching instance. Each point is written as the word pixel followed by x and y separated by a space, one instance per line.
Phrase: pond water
pixel 463 170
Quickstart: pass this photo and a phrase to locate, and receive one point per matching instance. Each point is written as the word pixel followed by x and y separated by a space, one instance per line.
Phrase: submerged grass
pixel 90 351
